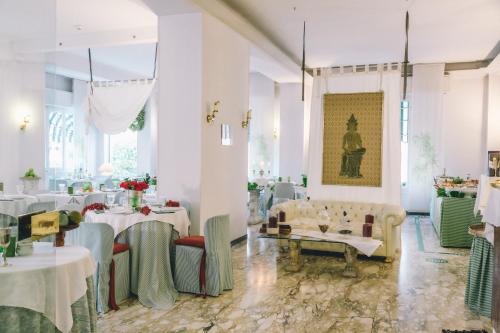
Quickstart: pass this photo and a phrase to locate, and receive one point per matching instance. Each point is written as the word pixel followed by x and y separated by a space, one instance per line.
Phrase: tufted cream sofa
pixel 303 214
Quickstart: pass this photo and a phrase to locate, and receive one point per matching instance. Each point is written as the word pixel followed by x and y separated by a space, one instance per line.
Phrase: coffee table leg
pixel 351 258
pixel 295 262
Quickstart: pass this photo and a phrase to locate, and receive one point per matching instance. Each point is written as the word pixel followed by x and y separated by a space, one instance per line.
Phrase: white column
pixel 201 61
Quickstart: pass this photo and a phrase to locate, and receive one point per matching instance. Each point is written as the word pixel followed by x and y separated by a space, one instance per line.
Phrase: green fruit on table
pixel 63 219
pixel 75 217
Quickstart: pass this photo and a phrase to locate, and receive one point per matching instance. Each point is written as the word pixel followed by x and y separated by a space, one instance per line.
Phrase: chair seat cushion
pixel 194 241
pixel 119 248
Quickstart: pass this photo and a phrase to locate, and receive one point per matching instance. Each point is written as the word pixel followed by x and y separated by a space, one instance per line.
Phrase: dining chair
pixel 112 281
pixel 7 220
pixel 283 192
pixel 94 198
pixel 39 206
pixel 203 264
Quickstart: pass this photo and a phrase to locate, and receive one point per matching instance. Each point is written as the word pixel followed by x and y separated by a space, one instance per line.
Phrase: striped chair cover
pixel 151 277
pixel 7 220
pixel 456 216
pixel 39 206
pixel 219 270
pixel 94 198
pixel 478 290
pixel 99 239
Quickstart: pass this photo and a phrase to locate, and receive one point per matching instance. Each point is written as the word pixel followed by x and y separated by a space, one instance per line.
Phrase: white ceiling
pixel 342 32
pixel 136 60
pixel 27 19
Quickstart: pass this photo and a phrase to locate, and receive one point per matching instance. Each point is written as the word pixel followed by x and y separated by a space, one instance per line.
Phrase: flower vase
pixel 134 198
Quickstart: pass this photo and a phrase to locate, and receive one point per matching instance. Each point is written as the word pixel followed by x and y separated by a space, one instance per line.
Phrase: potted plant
pixel 135 189
pixel 30 181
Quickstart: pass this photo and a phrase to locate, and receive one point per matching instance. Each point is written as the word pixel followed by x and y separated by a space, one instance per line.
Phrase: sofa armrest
pixel 395 217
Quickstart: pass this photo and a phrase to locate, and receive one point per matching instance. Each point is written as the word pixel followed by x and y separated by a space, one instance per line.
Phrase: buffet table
pixel 53 287
pixel 451 218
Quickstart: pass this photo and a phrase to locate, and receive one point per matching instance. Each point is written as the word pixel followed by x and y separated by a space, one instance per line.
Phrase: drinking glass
pixel 110 198
pixel 4 243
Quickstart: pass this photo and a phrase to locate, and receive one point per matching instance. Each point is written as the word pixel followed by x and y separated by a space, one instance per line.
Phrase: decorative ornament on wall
pixel 213 112
pixel 138 123
pixel 352 139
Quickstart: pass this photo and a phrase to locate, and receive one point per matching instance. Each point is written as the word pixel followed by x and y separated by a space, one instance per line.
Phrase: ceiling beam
pixel 240 24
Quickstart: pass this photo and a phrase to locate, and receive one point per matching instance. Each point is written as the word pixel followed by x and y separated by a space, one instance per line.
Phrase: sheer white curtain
pixel 390 83
pixel 113 107
pixel 425 134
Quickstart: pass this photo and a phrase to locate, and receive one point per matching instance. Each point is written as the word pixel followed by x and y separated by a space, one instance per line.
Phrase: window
pixel 60 141
pixel 122 154
pixel 404 142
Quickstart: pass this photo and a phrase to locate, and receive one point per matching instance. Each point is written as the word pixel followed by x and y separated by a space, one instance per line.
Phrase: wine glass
pixel 4 243
pixel 110 197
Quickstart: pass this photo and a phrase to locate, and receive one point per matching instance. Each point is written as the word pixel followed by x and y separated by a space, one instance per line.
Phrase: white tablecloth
pixel 491 213
pixel 48 282
pixel 62 199
pixel 366 245
pixel 15 205
pixel 120 222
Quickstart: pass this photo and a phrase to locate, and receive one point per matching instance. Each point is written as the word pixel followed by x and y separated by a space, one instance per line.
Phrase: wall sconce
pixel 211 114
pixel 25 122
pixel 275 133
pixel 246 119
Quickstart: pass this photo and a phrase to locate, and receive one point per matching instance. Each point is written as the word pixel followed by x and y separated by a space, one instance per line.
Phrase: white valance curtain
pixel 388 81
pixel 113 106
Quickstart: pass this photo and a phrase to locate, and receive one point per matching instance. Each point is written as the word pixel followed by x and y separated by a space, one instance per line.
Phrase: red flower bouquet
pixel 134 185
pixel 94 206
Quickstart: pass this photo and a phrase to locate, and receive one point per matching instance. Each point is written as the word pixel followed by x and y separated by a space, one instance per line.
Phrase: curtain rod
pixel 449 67
pixel 121 81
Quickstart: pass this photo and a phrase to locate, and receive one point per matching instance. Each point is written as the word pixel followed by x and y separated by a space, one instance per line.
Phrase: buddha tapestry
pixel 352 139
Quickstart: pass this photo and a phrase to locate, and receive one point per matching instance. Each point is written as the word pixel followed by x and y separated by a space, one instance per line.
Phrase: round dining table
pixel 15 204
pixel 48 290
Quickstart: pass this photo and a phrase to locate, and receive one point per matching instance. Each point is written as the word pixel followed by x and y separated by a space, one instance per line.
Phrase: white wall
pixel 463 106
pixel 263 148
pixel 22 92
pixel 493 98
pixel 224 168
pixel 201 61
pixel 291 132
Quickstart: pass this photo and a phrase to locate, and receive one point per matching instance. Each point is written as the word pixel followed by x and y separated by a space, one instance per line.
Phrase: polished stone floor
pixel 422 291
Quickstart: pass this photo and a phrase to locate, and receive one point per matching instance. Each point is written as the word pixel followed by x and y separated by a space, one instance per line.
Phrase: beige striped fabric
pixel 478 290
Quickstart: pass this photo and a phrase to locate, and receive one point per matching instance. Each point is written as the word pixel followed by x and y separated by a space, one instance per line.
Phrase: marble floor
pixel 422 291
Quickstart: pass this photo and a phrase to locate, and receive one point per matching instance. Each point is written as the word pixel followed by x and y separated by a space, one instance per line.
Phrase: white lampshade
pixel 106 169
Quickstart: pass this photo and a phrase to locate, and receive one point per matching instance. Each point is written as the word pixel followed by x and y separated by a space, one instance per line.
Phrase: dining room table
pixel 151 240
pixel 50 289
pixel 15 204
